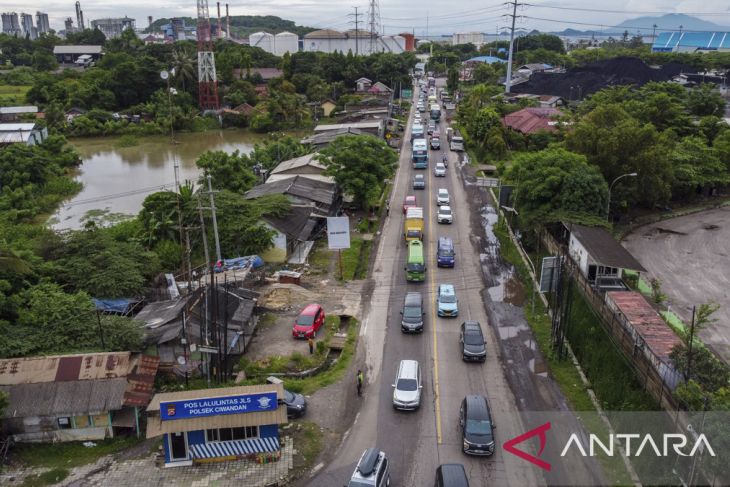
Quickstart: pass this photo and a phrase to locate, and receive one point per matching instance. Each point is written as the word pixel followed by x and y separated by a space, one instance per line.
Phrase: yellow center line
pixel 432 282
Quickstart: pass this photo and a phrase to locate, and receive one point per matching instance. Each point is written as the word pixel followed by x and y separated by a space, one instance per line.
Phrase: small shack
pixel 88 396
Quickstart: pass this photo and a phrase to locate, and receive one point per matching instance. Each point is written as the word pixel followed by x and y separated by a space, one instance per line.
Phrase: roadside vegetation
pixel 65 456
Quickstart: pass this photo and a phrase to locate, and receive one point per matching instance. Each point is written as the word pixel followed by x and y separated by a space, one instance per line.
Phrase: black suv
pixel 412 320
pixel 473 346
pixel 475 420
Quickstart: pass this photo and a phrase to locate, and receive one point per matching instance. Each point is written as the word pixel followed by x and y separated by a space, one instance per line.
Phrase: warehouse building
pixel 692 42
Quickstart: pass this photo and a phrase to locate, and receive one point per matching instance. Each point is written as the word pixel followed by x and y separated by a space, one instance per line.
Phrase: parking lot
pixel 689 255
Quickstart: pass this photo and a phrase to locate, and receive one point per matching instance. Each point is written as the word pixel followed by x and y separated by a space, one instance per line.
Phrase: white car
pixel 439 170
pixel 445 215
pixel 442 198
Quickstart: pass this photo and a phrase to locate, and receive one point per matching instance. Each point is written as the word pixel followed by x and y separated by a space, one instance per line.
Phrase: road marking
pixel 434 314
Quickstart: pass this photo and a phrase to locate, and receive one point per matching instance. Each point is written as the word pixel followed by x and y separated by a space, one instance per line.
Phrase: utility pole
pixel 357 30
pixel 215 221
pixel 508 81
pixel 689 347
pixel 653 33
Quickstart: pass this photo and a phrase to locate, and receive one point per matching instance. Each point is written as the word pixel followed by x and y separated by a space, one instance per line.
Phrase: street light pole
pixel 608 203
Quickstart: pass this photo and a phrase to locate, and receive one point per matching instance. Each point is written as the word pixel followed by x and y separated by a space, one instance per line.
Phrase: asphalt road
pixel 417 442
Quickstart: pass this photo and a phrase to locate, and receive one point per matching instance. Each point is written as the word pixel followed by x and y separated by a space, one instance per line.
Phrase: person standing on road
pixel 310 341
pixel 387 208
pixel 360 379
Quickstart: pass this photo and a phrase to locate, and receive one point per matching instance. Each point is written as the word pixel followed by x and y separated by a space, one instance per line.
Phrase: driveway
pixel 689 255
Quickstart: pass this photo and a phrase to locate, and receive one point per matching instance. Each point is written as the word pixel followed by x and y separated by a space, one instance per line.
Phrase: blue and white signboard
pixel 216 406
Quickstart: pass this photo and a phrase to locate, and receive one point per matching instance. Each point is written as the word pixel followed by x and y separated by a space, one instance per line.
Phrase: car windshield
pixel 446 252
pixel 412 312
pixel 473 338
pixel 288 396
pixel 407 385
pixel 478 426
pixel 449 298
pixel 415 267
pixel 305 320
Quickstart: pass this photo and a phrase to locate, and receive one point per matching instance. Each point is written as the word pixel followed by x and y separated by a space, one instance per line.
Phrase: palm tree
pixel 183 62
pixel 10 262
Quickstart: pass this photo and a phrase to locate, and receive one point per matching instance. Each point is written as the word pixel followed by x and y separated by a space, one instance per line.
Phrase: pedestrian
pixel 360 378
pixel 311 345
pixel 387 208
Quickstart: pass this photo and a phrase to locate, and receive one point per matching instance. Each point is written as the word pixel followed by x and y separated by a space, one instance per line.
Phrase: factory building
pixel 328 40
pixel 113 27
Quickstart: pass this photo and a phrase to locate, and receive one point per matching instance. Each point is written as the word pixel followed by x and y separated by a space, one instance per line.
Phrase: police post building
pixel 218 424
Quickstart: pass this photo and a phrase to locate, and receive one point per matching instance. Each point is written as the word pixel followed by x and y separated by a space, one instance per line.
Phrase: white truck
pixel 457 143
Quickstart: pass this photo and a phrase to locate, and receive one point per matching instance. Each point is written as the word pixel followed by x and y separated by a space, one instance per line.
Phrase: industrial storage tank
pixel 285 42
pixel 264 40
pixel 410 41
pixel 325 40
pixel 395 44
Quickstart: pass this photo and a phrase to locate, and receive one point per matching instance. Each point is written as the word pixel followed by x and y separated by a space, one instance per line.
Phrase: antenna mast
pixel 207 80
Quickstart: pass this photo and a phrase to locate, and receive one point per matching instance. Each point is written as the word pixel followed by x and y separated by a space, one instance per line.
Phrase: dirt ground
pixel 689 255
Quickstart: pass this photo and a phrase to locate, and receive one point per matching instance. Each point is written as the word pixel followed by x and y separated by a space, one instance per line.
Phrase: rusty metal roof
pixel 85 366
pixel 530 120
pixel 658 336
pixel 77 384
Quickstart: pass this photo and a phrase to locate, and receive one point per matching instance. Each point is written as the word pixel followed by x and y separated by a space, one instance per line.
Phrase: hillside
pixel 670 22
pixel 243 25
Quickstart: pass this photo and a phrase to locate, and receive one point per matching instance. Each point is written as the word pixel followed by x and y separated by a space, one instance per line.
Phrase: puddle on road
pixel 507 287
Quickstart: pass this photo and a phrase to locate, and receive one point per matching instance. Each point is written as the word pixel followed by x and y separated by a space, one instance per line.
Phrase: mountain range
pixel 646 24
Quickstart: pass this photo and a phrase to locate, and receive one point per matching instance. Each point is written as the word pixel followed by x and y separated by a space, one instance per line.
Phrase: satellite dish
pixel 181 360
pixel 164 74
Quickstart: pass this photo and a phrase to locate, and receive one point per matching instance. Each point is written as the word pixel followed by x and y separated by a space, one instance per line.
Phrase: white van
pixel 407 387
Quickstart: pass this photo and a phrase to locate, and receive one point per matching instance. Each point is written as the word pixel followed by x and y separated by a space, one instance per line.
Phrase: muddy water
pixel 116 180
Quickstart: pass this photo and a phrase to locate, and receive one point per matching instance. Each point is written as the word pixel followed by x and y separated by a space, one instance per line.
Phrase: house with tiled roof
pixel 531 120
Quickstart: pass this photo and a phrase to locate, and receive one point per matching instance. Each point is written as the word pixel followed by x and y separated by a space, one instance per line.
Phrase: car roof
pixel 444 207
pixel 477 407
pixel 472 325
pixel 418 176
pixel 310 309
pixel 410 197
pixel 368 461
pixel 447 289
pixel 413 299
pixel 443 190
pixel 454 474
pixel 444 241
pixel 407 369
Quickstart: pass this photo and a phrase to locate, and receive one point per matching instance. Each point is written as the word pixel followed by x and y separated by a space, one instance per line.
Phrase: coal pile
pixel 593 77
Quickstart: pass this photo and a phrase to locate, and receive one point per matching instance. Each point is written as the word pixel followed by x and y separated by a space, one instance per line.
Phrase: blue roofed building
pixel 692 42
pixel 485 59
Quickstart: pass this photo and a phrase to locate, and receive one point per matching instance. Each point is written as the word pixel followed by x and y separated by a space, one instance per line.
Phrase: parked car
pixel 407 386
pixel 451 475
pixel 409 202
pixel 296 404
pixel 446 302
pixel 473 345
pixel 419 181
pixel 442 197
pixel 372 470
pixel 308 322
pixel 412 314
pixel 445 215
pixel 439 170
pixel 477 430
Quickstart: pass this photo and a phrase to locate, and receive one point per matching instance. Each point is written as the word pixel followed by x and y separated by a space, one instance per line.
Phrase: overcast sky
pixel 396 15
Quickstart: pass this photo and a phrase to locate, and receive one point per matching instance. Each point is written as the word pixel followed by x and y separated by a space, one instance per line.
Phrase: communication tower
pixel 207 80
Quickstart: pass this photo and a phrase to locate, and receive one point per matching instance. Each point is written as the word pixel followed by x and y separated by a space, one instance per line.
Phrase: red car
pixel 410 202
pixel 308 322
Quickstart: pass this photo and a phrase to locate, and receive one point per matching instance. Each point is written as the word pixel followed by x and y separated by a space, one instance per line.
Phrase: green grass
pixel 319 257
pixel 268 319
pixel 355 259
pixel 49 477
pixel 69 454
pixel 308 442
pixel 13 95
pixel 334 373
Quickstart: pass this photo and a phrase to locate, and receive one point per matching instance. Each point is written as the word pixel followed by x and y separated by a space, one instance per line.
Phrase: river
pixel 116 180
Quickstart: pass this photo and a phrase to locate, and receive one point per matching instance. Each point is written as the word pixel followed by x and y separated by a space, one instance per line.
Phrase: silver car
pixel 407 386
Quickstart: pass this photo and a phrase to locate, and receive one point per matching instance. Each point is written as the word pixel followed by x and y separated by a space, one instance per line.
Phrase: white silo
pixel 285 42
pixel 264 40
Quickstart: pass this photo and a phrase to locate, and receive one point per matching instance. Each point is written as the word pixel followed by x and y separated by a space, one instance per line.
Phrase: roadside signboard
pixel 404 93
pixel 338 232
pixel 215 406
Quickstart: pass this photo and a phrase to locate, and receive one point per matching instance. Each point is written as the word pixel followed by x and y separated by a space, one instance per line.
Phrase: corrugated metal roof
pixel 658 336
pixel 21 109
pixel 299 186
pixel 88 366
pixel 669 41
pixel 17 127
pixel 77 50
pixel 604 249
pixel 530 120
pixel 157 427
pixel 354 125
pixel 299 162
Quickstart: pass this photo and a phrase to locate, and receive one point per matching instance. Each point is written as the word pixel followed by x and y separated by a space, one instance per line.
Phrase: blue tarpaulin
pixel 113 305
pixel 236 263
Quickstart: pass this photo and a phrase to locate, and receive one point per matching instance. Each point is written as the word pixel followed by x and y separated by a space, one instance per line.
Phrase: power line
pixel 149 189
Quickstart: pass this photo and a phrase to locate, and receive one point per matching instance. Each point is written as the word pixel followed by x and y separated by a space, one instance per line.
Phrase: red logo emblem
pixel 540 433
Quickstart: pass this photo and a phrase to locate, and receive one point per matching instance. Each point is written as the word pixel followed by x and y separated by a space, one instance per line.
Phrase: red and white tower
pixel 207 80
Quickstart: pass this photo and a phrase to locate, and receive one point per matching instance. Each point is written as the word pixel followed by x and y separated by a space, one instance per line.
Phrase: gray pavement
pixel 689 255
pixel 417 442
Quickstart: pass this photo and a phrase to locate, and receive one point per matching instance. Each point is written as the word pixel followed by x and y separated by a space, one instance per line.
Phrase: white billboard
pixel 338 232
